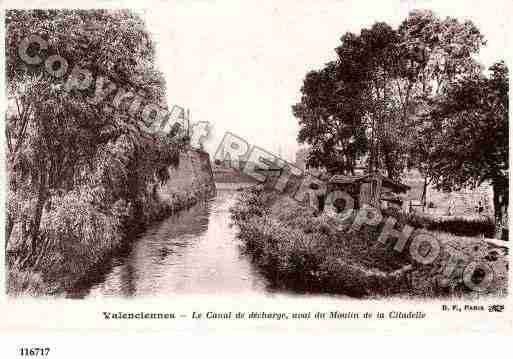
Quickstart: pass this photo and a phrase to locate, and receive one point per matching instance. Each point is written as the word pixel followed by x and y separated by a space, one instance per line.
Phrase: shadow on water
pixel 192 252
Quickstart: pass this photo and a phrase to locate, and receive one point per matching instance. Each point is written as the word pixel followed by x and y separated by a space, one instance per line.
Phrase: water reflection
pixel 193 252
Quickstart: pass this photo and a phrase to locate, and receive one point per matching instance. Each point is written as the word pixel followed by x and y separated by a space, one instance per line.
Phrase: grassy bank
pixel 459 225
pixel 83 173
pixel 301 252
pixel 81 227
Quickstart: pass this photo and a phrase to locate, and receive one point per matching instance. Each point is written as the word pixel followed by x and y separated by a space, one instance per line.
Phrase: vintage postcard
pixel 330 166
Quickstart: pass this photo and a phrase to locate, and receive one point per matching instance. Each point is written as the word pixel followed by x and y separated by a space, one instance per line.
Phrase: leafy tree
pixel 354 97
pixel 333 129
pixel 472 145
pixel 383 78
pixel 439 52
pixel 54 135
pixel 381 61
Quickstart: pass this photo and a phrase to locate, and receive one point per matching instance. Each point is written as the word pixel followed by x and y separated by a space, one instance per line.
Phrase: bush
pixel 458 225
pixel 81 225
pixel 27 283
pixel 75 235
pixel 299 251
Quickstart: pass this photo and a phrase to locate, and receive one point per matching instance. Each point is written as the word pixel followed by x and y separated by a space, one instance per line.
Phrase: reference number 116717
pixel 34 352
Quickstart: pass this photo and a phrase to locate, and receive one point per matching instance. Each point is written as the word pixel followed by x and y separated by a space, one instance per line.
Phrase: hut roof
pixel 342 179
pixel 269 169
pixel 268 166
pixel 395 186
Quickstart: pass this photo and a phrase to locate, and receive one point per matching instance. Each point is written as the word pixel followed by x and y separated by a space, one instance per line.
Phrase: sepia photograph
pixel 330 151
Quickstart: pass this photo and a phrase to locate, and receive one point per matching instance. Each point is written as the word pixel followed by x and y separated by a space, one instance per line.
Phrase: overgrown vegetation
pixel 299 251
pixel 414 96
pixel 80 178
pixel 459 225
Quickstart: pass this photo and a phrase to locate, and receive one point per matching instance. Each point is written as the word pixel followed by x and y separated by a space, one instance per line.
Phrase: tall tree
pixel 333 129
pixel 53 134
pixel 472 145
pixel 384 78
pixel 437 53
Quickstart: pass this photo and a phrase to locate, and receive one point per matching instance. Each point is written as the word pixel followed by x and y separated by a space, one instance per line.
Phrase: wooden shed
pixel 272 172
pixel 374 189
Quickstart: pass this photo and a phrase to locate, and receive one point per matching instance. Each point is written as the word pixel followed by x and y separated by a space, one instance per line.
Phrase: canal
pixel 192 252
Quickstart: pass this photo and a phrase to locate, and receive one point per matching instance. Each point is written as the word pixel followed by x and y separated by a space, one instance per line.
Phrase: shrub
pixel 299 251
pixel 75 235
pixel 89 218
pixel 26 282
pixel 459 225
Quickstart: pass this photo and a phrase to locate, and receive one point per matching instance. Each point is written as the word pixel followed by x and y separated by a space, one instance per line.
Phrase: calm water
pixel 193 252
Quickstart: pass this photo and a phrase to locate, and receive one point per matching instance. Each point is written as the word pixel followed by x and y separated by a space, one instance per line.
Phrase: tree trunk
pixel 500 203
pixel 8 229
pixel 41 198
pixel 497 204
pixel 34 230
pixel 424 193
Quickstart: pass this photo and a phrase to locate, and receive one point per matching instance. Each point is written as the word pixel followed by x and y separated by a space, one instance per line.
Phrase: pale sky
pixel 240 64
